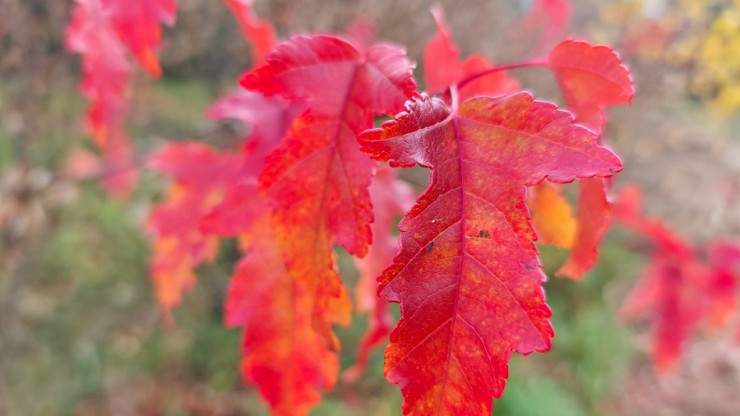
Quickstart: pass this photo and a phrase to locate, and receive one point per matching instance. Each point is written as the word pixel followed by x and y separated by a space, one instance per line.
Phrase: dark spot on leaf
pixel 430 247
pixel 484 234
pixel 529 267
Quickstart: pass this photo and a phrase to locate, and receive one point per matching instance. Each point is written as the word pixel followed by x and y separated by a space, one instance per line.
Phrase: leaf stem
pixel 454 97
pixel 473 77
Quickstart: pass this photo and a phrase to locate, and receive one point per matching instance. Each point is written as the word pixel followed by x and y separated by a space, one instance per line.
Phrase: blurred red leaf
pixel 200 177
pixel 106 71
pixel 591 78
pixel 678 291
pixel 284 355
pixel 442 66
pixel 592 222
pixel 259 33
pixel 137 23
pixel 548 19
pixel 391 197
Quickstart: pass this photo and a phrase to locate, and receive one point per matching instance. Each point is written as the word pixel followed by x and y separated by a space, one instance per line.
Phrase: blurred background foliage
pixel 80 333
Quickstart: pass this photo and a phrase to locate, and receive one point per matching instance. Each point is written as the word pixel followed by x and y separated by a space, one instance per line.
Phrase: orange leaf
pixel 552 216
pixel 285 356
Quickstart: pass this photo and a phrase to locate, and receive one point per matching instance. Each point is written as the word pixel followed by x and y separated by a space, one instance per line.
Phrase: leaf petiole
pixel 473 77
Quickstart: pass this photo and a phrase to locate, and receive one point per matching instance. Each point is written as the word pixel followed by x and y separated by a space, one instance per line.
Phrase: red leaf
pixel 390 197
pixel 138 25
pixel 724 259
pixel 120 173
pixel 200 175
pixel 549 19
pixel 259 32
pixel 288 360
pixel 591 78
pixel 317 178
pixel 106 71
pixel 442 66
pixel 492 84
pixel 667 290
pixel 594 218
pixel 441 57
pixel 468 278
pixel 267 118
pixel 675 291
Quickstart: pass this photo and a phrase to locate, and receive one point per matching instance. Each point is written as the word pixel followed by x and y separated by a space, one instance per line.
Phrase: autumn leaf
pixel 591 78
pixel 593 220
pixel 390 197
pixel 468 278
pixel 200 177
pixel 442 66
pixel 552 216
pixel 492 85
pixel 106 71
pixel 441 57
pixel 317 179
pixel 678 291
pixel 259 33
pixel 285 357
pixel 106 75
pixel 137 23
pixel 724 260
pixel 667 291
pixel 265 119
pixel 548 19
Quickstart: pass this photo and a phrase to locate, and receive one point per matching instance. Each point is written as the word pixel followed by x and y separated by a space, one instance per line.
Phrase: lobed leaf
pixel 468 278
pixel 317 179
pixel 105 82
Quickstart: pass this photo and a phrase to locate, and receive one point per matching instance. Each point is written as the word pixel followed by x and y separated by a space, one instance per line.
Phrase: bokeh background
pixel 80 333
